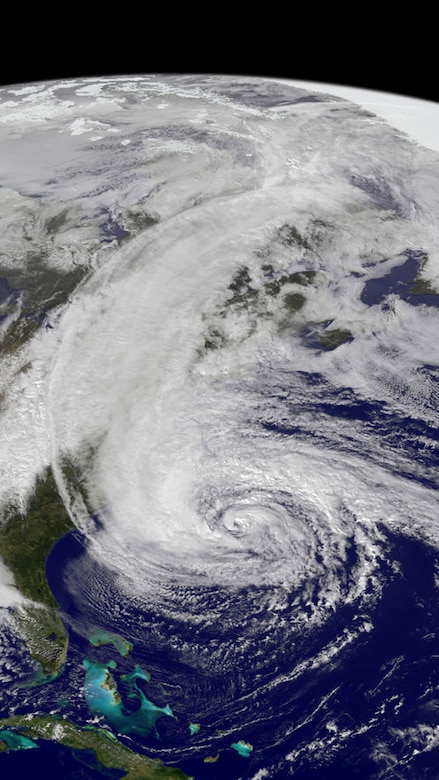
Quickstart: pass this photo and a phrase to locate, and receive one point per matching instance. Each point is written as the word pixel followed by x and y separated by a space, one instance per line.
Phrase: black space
pixel 307 42
pixel 27 72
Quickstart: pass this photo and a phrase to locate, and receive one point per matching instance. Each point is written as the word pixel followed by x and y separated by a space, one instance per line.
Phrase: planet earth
pixel 219 416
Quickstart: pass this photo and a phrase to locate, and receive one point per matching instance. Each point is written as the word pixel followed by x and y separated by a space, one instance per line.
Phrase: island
pixel 26 539
pixel 243 748
pixel 24 731
pixel 97 638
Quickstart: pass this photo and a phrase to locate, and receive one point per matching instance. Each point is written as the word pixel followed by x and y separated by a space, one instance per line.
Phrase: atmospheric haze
pixel 240 380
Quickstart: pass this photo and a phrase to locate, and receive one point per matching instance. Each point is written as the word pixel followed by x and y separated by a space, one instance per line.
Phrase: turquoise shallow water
pixel 103 697
pixel 272 479
pixel 243 748
pixel 16 741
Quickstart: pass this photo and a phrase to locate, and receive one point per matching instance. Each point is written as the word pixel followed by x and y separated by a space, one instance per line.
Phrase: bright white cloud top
pixel 258 261
pixel 413 116
pixel 185 482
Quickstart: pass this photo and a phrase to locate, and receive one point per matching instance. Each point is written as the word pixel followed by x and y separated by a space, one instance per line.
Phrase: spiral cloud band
pixel 245 379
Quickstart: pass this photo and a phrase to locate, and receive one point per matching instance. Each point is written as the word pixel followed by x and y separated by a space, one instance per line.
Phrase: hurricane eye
pixel 238 523
pixel 219 368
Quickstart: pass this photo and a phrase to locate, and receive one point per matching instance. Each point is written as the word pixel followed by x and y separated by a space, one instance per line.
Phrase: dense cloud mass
pixel 243 377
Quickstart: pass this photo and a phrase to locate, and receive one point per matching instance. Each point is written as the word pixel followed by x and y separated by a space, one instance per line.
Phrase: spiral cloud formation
pixel 245 379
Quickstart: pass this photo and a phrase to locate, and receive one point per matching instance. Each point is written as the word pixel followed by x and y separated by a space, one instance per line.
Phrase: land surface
pixel 103 746
pixel 25 542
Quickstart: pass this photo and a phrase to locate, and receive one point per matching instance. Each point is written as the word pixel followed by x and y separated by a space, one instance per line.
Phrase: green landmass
pixel 211 759
pixel 241 288
pixel 97 638
pixel 302 278
pixel 330 339
pixel 109 752
pixel 294 301
pixel 253 297
pixel 290 236
pixel 43 633
pixel 26 539
pixel 73 476
pixel 109 686
pixel 56 222
pixel 25 542
pixel 423 287
pixel 44 289
pixel 103 697
pixel 136 221
pixel 214 339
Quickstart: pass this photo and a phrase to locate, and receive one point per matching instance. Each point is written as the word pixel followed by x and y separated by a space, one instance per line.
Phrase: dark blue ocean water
pixel 5 290
pixel 51 761
pixel 399 281
pixel 389 671
pixel 310 712
pixel 384 430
